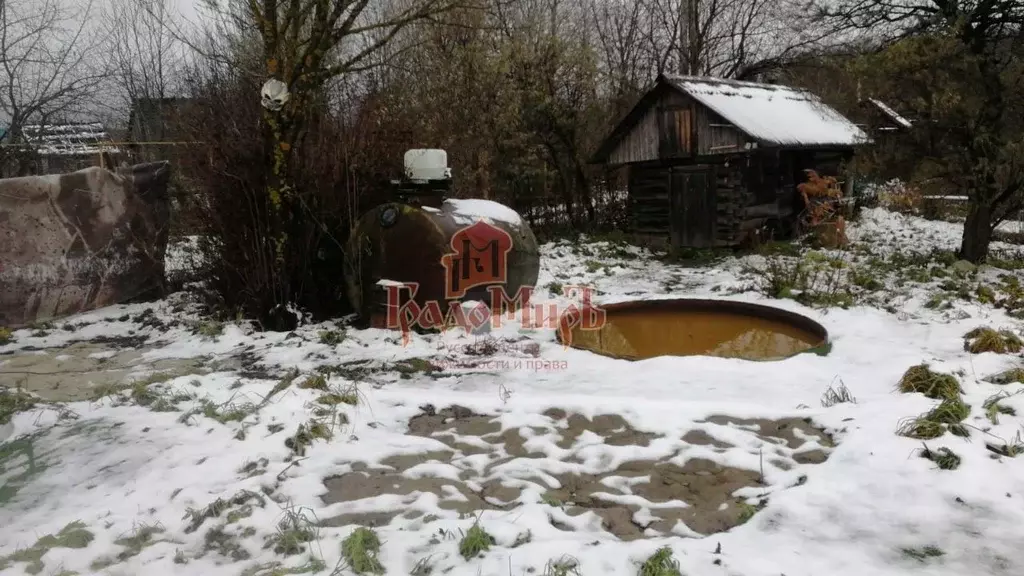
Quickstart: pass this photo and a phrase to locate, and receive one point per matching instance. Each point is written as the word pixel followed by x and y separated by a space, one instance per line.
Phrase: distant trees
pixel 958 69
pixel 47 71
pixel 143 54
pixel 726 38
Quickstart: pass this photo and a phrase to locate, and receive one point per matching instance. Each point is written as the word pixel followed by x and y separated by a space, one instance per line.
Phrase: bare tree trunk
pixel 977 233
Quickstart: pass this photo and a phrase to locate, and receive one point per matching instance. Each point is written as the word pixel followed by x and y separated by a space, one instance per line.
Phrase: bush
pixel 245 272
pixel 814 279
pixel 899 197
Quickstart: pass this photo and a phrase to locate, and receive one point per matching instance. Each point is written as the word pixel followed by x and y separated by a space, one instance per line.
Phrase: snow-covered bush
pixel 897 196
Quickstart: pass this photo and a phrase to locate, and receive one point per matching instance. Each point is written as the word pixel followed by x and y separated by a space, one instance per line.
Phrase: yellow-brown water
pixel 640 334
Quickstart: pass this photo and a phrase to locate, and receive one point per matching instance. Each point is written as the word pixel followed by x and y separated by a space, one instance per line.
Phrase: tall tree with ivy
pixel 957 67
pixel 306 44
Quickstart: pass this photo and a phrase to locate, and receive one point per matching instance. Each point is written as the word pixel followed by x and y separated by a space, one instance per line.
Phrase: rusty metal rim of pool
pixel 734 307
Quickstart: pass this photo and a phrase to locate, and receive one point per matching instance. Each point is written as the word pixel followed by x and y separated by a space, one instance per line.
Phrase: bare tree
pixel 722 38
pixel 305 46
pixel 143 51
pixel 973 51
pixel 619 32
pixel 46 71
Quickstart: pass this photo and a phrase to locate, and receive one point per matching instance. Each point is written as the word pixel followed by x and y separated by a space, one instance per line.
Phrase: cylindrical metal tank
pixel 453 253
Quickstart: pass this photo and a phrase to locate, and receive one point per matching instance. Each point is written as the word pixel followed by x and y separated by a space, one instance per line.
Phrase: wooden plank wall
pixel 715 135
pixel 675 127
pixel 676 135
pixel 641 143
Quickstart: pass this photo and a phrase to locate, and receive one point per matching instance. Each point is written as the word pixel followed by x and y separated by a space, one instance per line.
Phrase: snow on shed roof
pixel 891 113
pixel 68 139
pixel 772 114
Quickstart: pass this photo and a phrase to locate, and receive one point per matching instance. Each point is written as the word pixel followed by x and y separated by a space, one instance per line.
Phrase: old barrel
pixel 451 254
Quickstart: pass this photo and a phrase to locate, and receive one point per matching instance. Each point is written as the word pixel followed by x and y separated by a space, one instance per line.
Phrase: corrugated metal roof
pixel 772 114
pixel 68 139
pixel 891 113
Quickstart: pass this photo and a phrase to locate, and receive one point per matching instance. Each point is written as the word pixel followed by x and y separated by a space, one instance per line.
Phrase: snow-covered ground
pixel 573 463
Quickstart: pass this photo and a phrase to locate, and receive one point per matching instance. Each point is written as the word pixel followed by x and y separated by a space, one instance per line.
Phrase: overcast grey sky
pixel 188 10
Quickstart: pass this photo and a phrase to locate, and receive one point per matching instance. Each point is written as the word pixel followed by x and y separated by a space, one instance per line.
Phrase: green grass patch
pixel 315 382
pixel 985 339
pixel 408 368
pixel 815 279
pixel 564 566
pixel 349 397
pixel 218 540
pixel 475 542
pixel 73 535
pixel 551 501
pixel 921 379
pixel 210 329
pixel 5 336
pixel 1014 375
pixel 306 434
pixel 237 507
pixel 947 416
pixel 332 337
pixel 294 532
pixel 144 392
pixel 313 566
pixel 1011 449
pixel 747 511
pixel 223 413
pixel 142 536
pixel 661 563
pixel 360 550
pixel 923 554
pixel 993 408
pixel 696 257
pixel 13 402
pixel 944 458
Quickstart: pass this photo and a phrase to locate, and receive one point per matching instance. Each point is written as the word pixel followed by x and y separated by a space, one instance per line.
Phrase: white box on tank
pixel 427 164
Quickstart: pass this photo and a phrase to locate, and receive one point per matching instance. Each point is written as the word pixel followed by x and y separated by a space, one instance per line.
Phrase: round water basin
pixel 691 327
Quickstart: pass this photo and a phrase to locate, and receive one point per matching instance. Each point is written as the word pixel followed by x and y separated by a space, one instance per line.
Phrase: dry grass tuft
pixel 984 339
pixel 947 416
pixel 921 379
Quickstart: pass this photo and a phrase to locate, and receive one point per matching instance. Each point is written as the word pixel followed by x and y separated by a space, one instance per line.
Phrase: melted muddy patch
pixel 592 474
pixel 75 372
pixel 643 332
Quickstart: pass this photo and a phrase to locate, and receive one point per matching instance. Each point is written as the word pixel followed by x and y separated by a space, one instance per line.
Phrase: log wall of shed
pixel 650 206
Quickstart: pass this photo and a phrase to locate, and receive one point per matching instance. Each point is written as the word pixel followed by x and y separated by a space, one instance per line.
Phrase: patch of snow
pixel 182 254
pixel 891 113
pixel 469 210
pixel 773 114
pixel 117 467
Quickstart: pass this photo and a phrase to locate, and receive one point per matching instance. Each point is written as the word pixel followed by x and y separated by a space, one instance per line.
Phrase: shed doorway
pixel 692 207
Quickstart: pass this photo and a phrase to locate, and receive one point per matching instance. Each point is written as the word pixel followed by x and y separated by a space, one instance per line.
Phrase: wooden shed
pixel 879 119
pixel 712 161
